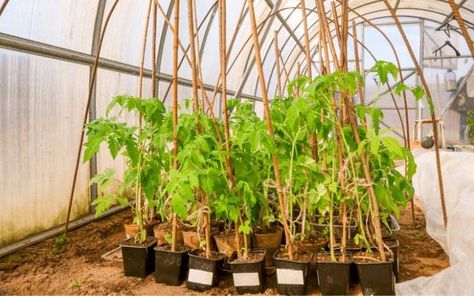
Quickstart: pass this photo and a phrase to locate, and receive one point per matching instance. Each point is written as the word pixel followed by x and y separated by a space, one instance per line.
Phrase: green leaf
pixel 401 87
pixel 383 69
pixel 394 147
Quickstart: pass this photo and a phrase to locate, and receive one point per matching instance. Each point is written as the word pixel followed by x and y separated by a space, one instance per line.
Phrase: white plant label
pixel 200 277
pixel 246 279
pixel 290 276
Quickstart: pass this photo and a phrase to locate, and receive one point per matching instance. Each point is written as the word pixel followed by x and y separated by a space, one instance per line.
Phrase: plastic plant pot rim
pixel 296 261
pixel 388 261
pixel 162 249
pixel 254 251
pixel 125 243
pixel 348 254
pixel 193 253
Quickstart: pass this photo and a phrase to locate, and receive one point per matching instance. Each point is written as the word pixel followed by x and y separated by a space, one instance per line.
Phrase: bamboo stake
pixel 336 22
pixel 323 41
pixel 353 123
pixel 174 107
pixel 313 139
pixel 153 53
pixel 223 63
pixel 306 39
pixel 277 62
pixel 298 74
pixel 462 25
pixel 358 69
pixel 285 71
pixel 344 66
pixel 86 113
pixel 323 20
pixel 433 115
pixel 268 118
pixel 193 57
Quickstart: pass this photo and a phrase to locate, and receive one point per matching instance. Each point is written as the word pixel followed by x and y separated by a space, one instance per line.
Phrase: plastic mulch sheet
pixel 457 239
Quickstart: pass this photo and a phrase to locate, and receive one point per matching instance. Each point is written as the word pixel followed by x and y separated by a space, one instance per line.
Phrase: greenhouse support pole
pixel 92 110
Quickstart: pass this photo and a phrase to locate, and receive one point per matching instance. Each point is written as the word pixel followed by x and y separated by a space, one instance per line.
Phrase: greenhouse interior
pixel 296 147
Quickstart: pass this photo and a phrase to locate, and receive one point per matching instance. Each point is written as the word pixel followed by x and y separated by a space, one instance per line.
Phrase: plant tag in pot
pixel 290 276
pixel 200 277
pixel 246 279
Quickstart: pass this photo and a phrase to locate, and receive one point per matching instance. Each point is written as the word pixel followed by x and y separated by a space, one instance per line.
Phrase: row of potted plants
pixel 336 166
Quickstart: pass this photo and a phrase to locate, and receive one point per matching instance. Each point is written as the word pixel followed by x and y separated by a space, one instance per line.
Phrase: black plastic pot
pixel 138 260
pixel 204 272
pixel 292 276
pixel 170 267
pixel 376 278
pixel 394 245
pixel 322 228
pixel 249 277
pixel 354 277
pixel 334 277
pixel 394 227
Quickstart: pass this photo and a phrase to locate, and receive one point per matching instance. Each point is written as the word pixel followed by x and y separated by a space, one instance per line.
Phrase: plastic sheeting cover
pixel 458 239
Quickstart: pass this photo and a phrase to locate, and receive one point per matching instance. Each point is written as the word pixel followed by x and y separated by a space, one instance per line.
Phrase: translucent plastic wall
pixel 47 49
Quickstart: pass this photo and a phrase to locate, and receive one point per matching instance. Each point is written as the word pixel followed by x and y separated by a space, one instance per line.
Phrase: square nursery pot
pixel 271 242
pixel 376 278
pixel 333 277
pixel 292 276
pixel 394 245
pixel 204 273
pixel 138 259
pixel 171 267
pixel 394 227
pixel 322 228
pixel 249 276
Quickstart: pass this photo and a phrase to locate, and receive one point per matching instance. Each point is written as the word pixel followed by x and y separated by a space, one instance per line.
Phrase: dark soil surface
pixel 77 268
pixel 251 258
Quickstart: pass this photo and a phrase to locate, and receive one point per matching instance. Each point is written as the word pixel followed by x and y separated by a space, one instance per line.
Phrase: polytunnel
pixel 62 62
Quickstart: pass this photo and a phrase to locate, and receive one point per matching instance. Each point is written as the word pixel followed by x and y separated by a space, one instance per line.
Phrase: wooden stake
pixel 433 115
pixel 323 20
pixel 223 62
pixel 353 122
pixel 277 62
pixel 266 105
pixel 192 48
pixel 138 187
pixel 86 113
pixel 174 108
pixel 313 139
pixel 306 39
pixel 153 53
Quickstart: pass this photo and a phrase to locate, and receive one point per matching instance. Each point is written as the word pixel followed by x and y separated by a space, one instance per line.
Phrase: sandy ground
pixel 77 267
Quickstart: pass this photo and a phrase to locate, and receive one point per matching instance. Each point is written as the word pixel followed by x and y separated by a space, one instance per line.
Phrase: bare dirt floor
pixel 77 267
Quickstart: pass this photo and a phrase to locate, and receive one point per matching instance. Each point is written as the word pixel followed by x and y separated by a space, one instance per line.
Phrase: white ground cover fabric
pixel 458 238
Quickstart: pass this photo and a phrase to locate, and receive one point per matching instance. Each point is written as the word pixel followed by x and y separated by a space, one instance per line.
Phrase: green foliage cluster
pixel 312 186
